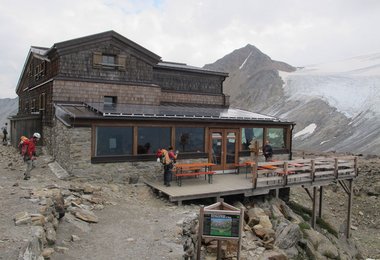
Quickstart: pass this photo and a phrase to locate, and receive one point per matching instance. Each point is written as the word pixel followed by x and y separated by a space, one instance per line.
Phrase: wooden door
pixel 223 150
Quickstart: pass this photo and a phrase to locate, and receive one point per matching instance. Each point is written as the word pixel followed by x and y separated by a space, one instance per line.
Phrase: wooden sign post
pixel 220 221
pixel 255 150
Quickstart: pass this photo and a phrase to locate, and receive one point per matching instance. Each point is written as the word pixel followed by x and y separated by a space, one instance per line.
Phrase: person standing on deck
pixel 268 151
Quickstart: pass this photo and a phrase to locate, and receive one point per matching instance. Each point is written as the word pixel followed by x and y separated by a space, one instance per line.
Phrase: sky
pixel 195 32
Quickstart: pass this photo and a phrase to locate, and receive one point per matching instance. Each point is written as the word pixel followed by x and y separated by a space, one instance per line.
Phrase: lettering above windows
pixel 109 61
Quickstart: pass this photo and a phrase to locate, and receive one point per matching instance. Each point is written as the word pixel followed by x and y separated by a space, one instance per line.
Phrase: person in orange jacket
pixel 29 153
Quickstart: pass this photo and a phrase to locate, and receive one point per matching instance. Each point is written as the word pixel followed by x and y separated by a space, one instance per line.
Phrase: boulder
pixel 289 236
pixel 273 255
pixel 86 215
pixel 262 232
pixel 59 203
pixel 265 222
pixel 254 215
pixel 276 212
pixel 47 252
pixel 329 250
pixel 22 218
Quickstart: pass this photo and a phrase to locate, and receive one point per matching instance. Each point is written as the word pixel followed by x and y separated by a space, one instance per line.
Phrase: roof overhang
pixel 70 113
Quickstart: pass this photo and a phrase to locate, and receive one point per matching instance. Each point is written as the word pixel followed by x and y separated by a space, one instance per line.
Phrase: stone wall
pixel 189 98
pixel 94 92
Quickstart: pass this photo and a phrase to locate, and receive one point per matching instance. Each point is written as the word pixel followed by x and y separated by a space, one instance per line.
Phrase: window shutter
pixel 121 61
pixel 97 60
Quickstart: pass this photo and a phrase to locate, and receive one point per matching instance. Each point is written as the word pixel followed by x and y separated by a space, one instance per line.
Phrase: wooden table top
pixel 190 165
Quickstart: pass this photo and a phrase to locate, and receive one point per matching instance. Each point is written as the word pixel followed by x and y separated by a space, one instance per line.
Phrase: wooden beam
pixel 200 232
pixel 344 186
pixel 320 201
pixel 313 214
pixel 308 193
pixel 312 170
pixel 349 211
pixel 336 168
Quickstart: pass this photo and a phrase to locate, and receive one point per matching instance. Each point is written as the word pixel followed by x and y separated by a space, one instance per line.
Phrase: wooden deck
pixel 306 173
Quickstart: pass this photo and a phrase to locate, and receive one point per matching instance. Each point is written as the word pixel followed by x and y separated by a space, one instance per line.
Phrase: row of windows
pixel 119 141
pixel 34 105
pixel 38 72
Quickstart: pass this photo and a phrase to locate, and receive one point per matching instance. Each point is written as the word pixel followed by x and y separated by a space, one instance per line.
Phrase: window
pixel 39 71
pixel 149 139
pixel 110 100
pixel 251 134
pixel 276 137
pixel 26 108
pixel 42 102
pixel 114 141
pixel 33 105
pixel 108 59
pixel 190 139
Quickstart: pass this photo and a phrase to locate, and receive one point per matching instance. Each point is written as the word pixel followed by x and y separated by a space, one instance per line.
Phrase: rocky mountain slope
pixel 8 106
pixel 334 105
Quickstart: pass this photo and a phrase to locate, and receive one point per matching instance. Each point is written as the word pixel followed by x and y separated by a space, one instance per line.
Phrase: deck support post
pixel 349 211
pixel 219 250
pixel 200 232
pixel 314 211
pixel 320 201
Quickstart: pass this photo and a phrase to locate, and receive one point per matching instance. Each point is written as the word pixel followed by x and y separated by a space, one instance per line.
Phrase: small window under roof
pixel 110 100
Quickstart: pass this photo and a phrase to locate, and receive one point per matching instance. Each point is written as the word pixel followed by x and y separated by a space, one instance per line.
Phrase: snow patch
pixel 245 61
pixel 323 142
pixel 306 131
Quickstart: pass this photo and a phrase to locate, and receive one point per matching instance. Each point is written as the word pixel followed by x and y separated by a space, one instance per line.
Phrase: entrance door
pixel 223 150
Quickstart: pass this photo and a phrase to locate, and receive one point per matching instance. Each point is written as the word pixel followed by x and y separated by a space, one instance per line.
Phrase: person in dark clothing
pixel 268 151
pixel 5 132
pixel 168 168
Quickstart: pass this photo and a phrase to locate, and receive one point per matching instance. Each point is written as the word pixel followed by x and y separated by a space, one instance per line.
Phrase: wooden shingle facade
pixel 104 99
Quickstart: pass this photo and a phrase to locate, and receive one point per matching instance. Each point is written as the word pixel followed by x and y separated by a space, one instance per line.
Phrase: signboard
pixel 221 225
pixel 220 221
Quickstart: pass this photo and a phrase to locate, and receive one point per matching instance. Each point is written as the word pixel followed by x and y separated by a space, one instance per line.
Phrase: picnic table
pixel 193 170
pixel 247 165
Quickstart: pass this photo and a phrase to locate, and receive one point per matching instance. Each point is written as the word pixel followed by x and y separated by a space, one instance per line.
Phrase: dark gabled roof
pixel 93 111
pixel 67 45
pixel 37 52
pixel 185 67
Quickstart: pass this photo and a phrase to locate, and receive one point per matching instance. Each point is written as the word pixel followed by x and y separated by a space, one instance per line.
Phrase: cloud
pixel 195 32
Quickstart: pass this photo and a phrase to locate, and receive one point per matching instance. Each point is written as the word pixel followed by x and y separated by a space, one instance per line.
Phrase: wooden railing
pixel 283 173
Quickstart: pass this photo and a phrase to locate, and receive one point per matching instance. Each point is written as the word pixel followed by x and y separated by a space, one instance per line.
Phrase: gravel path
pixel 139 226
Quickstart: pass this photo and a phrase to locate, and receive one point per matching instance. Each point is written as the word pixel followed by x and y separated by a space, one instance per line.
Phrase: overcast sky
pixel 196 32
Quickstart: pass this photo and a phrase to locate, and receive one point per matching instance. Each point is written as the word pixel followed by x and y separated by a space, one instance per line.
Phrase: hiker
pixel 5 133
pixel 29 153
pixel 267 151
pixel 20 146
pixel 167 158
pixel 172 155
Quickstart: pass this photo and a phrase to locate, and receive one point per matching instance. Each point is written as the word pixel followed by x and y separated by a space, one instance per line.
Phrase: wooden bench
pixel 179 176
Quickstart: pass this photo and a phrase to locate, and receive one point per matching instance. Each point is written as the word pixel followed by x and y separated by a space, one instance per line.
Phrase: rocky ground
pixel 130 222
